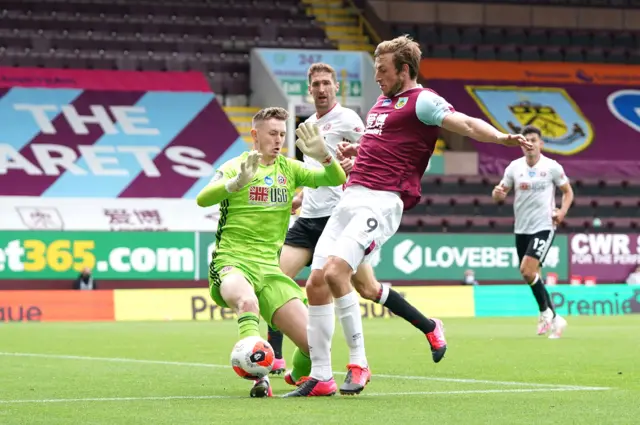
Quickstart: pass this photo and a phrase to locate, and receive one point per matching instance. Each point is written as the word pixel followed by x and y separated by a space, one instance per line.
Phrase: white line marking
pixel 217 366
pixel 208 397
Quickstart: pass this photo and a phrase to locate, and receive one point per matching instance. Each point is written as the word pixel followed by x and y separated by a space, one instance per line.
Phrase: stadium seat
pixel 508 52
pixel 530 54
pixel 538 37
pixel 486 52
pixel 616 55
pixel 552 54
pixel 464 51
pixel 73 33
pixel 595 55
pixel 602 39
pixel 574 54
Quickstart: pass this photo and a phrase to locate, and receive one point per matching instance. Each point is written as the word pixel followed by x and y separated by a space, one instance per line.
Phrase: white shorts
pixel 361 223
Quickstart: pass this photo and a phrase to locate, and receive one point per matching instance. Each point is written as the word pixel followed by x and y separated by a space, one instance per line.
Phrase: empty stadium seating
pixel 587 3
pixel 454 204
pixel 211 37
pixel 524 44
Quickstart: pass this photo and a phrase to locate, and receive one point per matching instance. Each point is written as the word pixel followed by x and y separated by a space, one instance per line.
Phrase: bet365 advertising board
pixel 413 257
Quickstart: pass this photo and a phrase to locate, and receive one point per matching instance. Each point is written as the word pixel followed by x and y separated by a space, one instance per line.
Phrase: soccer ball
pixel 252 358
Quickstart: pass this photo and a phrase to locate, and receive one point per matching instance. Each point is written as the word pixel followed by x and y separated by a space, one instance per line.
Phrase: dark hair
pixel 530 129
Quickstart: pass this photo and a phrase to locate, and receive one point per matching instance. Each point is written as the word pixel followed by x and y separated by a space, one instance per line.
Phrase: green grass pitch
pixel 497 371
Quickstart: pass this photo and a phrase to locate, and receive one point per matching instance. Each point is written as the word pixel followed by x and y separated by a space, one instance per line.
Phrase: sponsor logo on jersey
pixel 625 106
pixel 375 122
pixel 565 130
pixel 386 102
pixel 269 196
pixel 401 102
pixel 268 181
pixel 535 186
pixel 532 173
pixel 282 180
pixel 327 127
pixel 226 269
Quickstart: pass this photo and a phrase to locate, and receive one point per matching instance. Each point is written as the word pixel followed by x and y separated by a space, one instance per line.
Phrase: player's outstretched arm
pixel 331 174
pixel 481 131
pixel 312 144
pixel 224 184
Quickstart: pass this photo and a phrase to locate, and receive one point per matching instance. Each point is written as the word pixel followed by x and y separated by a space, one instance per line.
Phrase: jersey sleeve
pixel 330 175
pixel 558 175
pixel 215 191
pixel 354 128
pixel 507 179
pixel 431 108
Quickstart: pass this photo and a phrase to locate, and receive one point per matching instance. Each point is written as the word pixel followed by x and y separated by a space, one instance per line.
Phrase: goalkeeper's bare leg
pixel 240 296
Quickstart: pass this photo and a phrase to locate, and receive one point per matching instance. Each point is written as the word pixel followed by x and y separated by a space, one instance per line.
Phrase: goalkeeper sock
pixel 301 365
pixel 401 307
pixel 248 325
pixel 275 339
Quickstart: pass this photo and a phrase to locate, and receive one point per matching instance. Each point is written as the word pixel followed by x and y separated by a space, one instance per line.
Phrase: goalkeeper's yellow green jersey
pixel 254 221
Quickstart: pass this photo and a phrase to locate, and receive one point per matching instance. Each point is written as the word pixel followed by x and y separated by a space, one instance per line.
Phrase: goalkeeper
pixel 255 191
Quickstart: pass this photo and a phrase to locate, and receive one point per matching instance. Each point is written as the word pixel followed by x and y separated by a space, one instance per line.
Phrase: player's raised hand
pixel 515 140
pixel 311 143
pixel 346 150
pixel 248 170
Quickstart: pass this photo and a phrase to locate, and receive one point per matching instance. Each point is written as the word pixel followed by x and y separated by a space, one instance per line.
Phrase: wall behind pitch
pixel 517 300
pixel 196 304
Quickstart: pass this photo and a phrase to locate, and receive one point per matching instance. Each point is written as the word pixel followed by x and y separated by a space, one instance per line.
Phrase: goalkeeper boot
pixel 437 341
pixel 357 378
pixel 261 388
pixel 279 366
pixel 312 387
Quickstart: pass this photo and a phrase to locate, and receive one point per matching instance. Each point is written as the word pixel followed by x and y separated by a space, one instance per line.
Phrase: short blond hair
pixel 405 51
pixel 321 67
pixel 266 114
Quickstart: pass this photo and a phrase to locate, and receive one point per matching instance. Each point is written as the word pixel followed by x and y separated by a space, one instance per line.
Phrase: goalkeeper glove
pixel 311 143
pixel 248 169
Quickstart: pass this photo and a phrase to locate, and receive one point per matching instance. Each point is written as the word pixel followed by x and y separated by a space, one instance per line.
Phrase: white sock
pixel 322 325
pixel 348 311
pixel 384 295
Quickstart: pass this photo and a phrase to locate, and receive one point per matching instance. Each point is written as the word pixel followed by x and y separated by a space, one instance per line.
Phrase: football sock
pixel 401 307
pixel 248 325
pixel 275 339
pixel 322 325
pixel 548 298
pixel 348 310
pixel 540 292
pixel 301 365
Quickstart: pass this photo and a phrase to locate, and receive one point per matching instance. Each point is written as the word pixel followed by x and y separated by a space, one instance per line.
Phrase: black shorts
pixel 536 245
pixel 306 232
